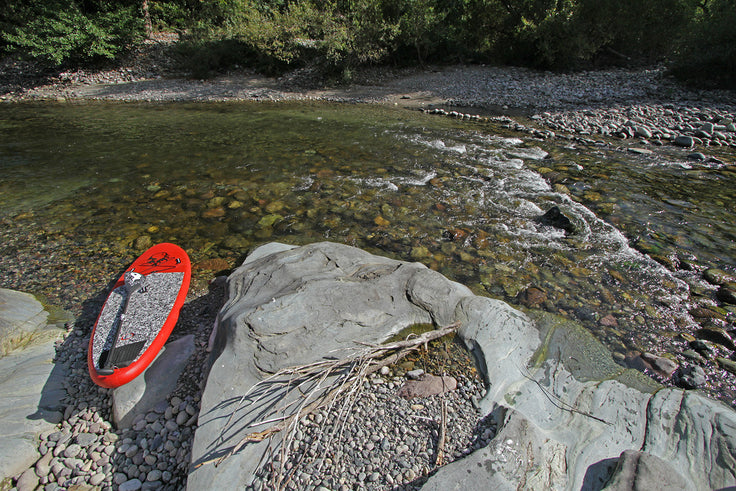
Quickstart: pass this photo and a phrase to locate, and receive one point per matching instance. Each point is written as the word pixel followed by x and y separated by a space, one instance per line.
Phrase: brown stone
pixel 381 222
pixel 217 212
pixel 703 313
pixel 427 385
pixel 481 240
pixel 609 321
pixel 325 173
pixel 532 297
pixel 616 275
pixel 663 366
pixel 214 264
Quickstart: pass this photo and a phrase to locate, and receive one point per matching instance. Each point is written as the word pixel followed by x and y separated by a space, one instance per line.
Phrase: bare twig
pixel 309 382
pixel 443 430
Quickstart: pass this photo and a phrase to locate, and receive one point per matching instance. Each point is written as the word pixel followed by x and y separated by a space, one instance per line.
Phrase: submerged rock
pixel 690 376
pixel 555 218
pixel 532 297
pixel 716 276
pixel 727 294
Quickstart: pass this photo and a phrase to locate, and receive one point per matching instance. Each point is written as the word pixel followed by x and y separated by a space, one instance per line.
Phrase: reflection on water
pixel 463 198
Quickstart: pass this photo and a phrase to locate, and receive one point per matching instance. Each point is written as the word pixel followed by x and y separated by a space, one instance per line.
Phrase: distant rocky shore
pixel 643 104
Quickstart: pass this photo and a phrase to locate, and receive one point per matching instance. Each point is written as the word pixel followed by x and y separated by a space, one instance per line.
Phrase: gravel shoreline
pixel 641 105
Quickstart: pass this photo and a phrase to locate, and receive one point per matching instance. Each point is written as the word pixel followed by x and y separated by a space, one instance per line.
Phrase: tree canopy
pixel 696 37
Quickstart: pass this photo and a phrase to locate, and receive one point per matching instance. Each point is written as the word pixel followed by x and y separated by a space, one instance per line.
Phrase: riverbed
pixel 87 186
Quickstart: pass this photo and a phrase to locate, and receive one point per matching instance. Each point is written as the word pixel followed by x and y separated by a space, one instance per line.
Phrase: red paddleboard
pixel 138 316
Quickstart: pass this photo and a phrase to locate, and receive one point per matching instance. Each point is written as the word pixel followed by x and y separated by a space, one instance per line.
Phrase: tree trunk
pixel 147 19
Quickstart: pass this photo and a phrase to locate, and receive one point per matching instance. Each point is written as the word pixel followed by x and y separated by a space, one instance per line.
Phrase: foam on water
pixel 515 196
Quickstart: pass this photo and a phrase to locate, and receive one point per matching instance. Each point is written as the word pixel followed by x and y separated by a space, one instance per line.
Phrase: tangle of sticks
pixel 307 388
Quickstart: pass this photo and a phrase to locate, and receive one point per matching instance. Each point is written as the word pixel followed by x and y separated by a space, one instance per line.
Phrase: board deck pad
pixel 147 311
pixel 137 318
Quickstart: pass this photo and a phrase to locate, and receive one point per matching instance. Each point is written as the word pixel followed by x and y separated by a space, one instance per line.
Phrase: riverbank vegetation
pixel 694 37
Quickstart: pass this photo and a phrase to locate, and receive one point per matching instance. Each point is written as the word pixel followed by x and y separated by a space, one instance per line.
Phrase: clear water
pixel 463 198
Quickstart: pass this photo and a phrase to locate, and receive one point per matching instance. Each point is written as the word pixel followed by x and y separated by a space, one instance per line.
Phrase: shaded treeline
pixel 696 38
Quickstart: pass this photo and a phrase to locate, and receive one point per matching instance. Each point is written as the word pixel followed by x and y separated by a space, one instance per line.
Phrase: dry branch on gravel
pixel 307 388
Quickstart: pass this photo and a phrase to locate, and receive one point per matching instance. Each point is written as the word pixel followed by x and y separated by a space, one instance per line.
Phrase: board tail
pixel 121 356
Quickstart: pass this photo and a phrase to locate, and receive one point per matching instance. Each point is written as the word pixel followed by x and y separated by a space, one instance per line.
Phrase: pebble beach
pixel 389 443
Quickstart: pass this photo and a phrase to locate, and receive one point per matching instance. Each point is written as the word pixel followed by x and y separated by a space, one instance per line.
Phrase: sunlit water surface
pixel 99 182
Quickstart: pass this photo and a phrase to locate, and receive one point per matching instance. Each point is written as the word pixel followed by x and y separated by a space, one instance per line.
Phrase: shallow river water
pixel 86 187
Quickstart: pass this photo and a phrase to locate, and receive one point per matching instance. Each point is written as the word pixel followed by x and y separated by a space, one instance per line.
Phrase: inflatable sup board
pixel 139 315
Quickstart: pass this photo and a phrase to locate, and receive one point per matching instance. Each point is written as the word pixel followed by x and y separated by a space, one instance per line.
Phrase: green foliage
pixel 339 35
pixel 568 34
pixel 59 33
pixel 707 55
pixel 369 30
pixel 277 35
pixel 169 15
pixel 226 33
pixel 204 57
pixel 420 26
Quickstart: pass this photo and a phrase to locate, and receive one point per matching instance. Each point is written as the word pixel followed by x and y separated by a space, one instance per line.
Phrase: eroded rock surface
pixel 294 307
pixel 566 413
pixel 31 384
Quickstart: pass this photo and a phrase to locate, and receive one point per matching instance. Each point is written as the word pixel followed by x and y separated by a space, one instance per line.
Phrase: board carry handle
pixel 133 282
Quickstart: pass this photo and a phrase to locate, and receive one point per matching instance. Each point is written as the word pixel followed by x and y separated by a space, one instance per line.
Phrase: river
pixel 87 186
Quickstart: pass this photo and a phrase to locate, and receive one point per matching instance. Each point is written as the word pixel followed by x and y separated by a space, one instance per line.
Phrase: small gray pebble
pixel 131 485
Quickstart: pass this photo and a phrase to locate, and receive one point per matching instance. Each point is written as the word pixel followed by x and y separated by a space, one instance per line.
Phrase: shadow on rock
pixel 152 443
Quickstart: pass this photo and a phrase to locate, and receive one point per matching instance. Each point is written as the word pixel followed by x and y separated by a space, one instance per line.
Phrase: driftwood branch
pixel 348 374
pixel 443 429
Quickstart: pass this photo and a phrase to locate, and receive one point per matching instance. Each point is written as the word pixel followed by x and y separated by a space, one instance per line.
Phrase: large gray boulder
pixel 31 383
pixel 566 413
pixel 292 307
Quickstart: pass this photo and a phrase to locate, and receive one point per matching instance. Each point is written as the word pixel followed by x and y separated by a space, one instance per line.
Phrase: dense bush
pixel 707 54
pixel 65 31
pixel 569 34
pixel 169 15
pixel 338 35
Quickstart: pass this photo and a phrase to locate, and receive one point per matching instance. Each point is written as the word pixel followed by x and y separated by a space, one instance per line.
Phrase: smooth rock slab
pixel 152 386
pixel 30 382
